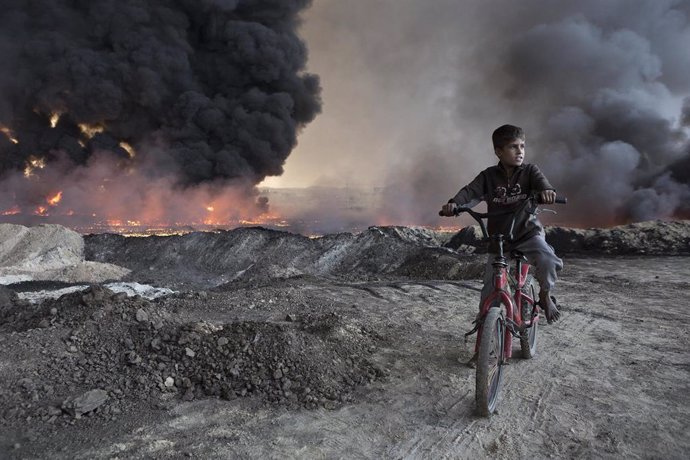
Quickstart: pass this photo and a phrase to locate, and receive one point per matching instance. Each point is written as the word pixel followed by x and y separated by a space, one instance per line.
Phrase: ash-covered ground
pixel 257 343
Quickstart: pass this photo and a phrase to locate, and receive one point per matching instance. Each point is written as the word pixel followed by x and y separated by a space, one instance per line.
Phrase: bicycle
pixel 499 319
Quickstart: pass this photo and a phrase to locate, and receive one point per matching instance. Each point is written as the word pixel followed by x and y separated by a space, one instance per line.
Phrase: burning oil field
pixel 181 278
pixel 131 116
pixel 148 113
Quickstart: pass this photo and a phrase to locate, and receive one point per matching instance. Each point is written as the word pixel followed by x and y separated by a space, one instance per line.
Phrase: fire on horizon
pixel 118 116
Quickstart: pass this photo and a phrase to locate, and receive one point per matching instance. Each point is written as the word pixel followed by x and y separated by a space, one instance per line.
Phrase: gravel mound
pixel 650 238
pixel 113 351
pixel 206 260
pixel 48 252
pixel 215 258
pixel 442 263
pixel 203 260
pixel 317 362
pixel 43 247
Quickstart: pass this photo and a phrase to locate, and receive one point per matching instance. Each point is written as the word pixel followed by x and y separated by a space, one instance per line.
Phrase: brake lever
pixel 540 210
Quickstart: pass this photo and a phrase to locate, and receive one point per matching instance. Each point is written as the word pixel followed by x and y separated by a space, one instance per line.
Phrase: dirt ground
pixel 610 380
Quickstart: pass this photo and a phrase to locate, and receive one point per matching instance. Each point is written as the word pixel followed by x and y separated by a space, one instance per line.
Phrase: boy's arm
pixel 469 196
pixel 541 184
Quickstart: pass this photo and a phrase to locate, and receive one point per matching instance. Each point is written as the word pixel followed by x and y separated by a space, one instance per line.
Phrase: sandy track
pixel 610 380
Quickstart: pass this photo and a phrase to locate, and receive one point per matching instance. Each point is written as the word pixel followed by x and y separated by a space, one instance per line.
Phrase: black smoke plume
pixel 608 82
pixel 598 86
pixel 204 91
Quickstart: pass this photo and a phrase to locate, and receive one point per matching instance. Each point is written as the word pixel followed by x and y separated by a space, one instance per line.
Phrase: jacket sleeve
pixel 538 180
pixel 471 194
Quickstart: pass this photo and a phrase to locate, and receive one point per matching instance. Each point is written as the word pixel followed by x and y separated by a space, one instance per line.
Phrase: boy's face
pixel 512 154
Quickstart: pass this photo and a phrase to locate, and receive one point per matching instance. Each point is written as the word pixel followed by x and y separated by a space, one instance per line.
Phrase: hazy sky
pixel 389 78
pixel 413 88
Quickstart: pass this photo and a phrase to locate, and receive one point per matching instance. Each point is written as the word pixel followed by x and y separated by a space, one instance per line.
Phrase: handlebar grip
pixel 559 199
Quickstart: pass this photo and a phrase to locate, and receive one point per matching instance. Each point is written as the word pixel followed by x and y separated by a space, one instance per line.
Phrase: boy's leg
pixel 547 264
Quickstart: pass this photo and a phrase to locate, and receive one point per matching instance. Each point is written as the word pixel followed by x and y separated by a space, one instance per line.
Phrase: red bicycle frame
pixel 501 295
pixel 501 287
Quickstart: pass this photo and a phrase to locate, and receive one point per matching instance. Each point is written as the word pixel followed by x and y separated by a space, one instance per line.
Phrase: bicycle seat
pixel 515 254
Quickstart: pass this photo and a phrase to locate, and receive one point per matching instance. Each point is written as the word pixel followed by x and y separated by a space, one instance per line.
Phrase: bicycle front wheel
pixel 490 361
pixel 528 337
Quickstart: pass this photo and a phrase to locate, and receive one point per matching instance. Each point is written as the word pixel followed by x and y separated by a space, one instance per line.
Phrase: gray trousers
pixel 539 254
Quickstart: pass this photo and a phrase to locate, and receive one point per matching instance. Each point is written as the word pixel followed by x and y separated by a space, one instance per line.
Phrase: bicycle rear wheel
pixel 490 361
pixel 528 337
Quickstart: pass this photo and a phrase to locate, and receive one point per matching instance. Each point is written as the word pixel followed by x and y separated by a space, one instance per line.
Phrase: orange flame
pixel 90 130
pixel 33 164
pixel 54 118
pixel 55 199
pixel 12 211
pixel 265 218
pixel 8 132
pixel 128 148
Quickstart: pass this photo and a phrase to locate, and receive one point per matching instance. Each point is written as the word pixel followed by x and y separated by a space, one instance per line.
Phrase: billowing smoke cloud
pixel 608 86
pixel 192 93
pixel 598 86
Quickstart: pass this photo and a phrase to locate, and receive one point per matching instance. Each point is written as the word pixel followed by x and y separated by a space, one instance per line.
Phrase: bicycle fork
pixel 499 296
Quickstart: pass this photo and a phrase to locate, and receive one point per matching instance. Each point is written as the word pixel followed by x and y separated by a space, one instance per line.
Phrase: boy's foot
pixel 548 303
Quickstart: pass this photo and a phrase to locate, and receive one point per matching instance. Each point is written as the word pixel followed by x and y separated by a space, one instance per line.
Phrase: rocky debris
pixel 470 236
pixel 255 254
pixel 39 296
pixel 214 258
pixel 141 315
pixel 111 352
pixel 203 260
pixel 121 289
pixel 48 252
pixel 8 298
pixel 42 247
pixel 264 338
pixel 650 238
pixel 94 303
pixel 316 364
pixel 442 263
pixel 641 238
pixel 87 402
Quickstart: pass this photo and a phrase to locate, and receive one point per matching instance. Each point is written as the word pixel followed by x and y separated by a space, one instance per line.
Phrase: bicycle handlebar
pixel 478 216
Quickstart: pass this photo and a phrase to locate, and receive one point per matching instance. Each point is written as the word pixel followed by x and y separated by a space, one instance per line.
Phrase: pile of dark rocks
pixel 641 238
pixel 110 352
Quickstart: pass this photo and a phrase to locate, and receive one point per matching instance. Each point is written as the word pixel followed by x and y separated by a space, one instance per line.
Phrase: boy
pixel 504 187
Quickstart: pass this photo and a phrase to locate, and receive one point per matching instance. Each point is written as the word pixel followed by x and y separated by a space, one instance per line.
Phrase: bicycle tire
pixel 528 337
pixel 490 362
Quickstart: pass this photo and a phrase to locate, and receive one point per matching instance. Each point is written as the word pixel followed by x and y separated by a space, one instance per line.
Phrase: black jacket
pixel 503 193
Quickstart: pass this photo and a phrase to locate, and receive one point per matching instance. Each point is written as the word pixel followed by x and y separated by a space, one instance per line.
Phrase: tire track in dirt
pixel 552 421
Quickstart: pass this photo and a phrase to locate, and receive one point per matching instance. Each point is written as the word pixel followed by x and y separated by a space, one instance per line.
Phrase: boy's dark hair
pixel 506 133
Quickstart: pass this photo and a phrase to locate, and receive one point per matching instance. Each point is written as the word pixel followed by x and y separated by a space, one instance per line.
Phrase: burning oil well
pixel 142 113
